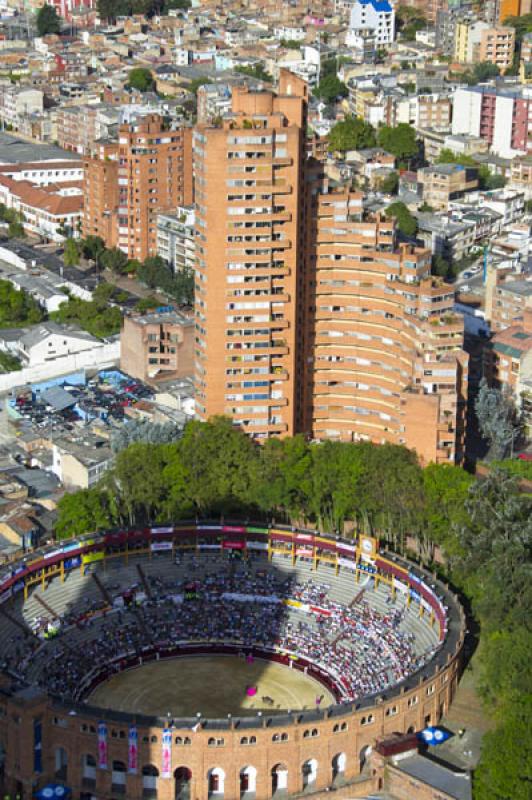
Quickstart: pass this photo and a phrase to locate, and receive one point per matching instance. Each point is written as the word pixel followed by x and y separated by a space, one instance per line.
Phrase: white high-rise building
pixel 375 15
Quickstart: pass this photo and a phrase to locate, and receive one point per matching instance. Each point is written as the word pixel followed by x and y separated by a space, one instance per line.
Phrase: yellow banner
pixel 89 558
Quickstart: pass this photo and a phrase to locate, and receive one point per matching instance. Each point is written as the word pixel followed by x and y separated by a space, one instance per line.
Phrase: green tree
pixel 409 21
pixel 484 71
pixel 506 764
pixel 257 71
pixel 136 482
pixel 103 293
pixel 351 134
pixel 114 260
pixel 93 247
pixel 497 542
pixel 178 502
pixel 221 460
pixel 290 44
pixel 84 511
pixel 406 223
pixel 196 83
pixel 95 317
pixel 494 182
pixel 446 490
pixel 156 274
pixel 9 363
pixel 441 267
pixel 400 141
pixel 506 668
pixel 146 304
pixel 141 79
pixel 521 25
pixel 71 253
pixel 48 20
pixel 144 430
pixel 389 184
pixel 16 230
pixel 498 419
pixel 182 5
pixel 17 308
pixel 331 88
pixel 283 471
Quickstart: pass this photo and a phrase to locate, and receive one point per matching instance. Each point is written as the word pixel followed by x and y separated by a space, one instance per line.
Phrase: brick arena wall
pixel 70 733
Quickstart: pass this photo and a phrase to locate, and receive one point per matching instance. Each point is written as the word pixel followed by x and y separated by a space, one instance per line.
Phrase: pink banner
pixel 133 750
pixel 166 771
pixel 102 745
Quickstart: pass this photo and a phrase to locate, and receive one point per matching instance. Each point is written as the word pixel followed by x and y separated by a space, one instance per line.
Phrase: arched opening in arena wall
pixel 150 775
pixel 88 767
pixel 183 780
pixel 61 763
pixel 364 755
pixel 118 777
pixel 309 772
pixel 248 782
pixel 216 782
pixel 338 767
pixel 279 779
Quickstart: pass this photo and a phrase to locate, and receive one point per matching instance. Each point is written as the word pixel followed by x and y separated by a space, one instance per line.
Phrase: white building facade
pixel 375 15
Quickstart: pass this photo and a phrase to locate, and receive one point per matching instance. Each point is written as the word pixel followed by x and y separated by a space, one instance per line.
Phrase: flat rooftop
pixel 14 151
pixel 454 783
pixel 163 318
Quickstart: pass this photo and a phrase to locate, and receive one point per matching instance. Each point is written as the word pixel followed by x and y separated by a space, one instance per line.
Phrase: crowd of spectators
pixel 363 650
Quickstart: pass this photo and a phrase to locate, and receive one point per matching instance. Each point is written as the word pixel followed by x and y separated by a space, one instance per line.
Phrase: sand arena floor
pixel 213 685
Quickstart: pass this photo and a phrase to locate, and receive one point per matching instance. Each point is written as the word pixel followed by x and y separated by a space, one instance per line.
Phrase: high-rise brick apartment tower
pixel 309 315
pixel 148 171
pixel 249 175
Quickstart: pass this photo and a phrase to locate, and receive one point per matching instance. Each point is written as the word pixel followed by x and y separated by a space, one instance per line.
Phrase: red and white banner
pixel 102 745
pixel 166 771
pixel 133 750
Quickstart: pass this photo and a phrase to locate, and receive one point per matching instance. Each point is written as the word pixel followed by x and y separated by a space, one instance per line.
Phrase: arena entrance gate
pixel 183 778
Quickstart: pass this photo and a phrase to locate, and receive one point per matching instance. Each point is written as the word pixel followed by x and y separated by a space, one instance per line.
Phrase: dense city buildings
pixel 259 256
pixel 478 42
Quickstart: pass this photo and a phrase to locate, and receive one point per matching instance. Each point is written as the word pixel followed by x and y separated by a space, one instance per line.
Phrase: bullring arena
pixel 208 660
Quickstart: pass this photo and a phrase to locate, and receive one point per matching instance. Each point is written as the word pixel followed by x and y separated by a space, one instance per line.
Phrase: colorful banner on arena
pixel 239 597
pixel 233 544
pixel 157 547
pixel 166 771
pixel 346 562
pixel 102 745
pixel 90 558
pixel 133 750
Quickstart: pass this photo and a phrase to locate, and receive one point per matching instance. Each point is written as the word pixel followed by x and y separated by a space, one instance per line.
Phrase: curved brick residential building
pixel 387 359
